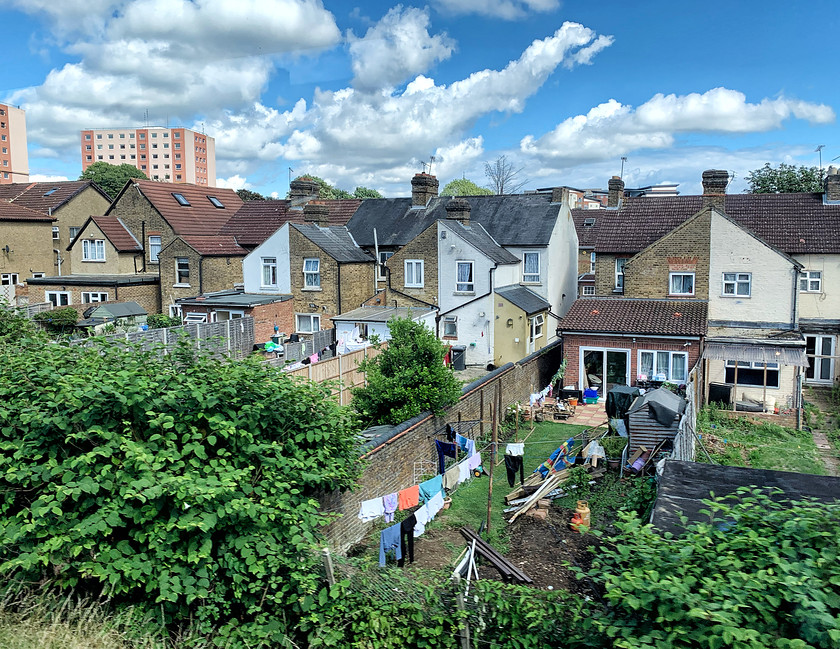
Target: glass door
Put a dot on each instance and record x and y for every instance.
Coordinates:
(820, 351)
(604, 368)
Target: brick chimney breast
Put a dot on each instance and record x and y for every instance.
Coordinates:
(424, 187)
(317, 213)
(832, 184)
(459, 210)
(714, 188)
(616, 191)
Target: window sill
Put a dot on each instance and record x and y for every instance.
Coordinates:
(680, 295)
(93, 261)
(741, 297)
(450, 337)
(414, 286)
(620, 291)
(311, 289)
(464, 293)
(180, 286)
(812, 292)
(269, 287)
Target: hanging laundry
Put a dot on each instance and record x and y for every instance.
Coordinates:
(431, 487)
(515, 448)
(470, 447)
(444, 449)
(514, 463)
(409, 498)
(450, 478)
(461, 441)
(421, 517)
(474, 462)
(550, 391)
(435, 505)
(371, 509)
(313, 358)
(464, 471)
(391, 501)
(450, 433)
(389, 541)
(407, 540)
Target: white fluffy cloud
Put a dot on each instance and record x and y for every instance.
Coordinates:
(234, 182)
(42, 178)
(613, 129)
(506, 9)
(396, 48)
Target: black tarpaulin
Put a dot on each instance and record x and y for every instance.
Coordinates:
(619, 400)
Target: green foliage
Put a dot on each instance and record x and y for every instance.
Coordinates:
(579, 480)
(407, 378)
(180, 484)
(365, 192)
(613, 445)
(13, 324)
(758, 574)
(464, 187)
(58, 320)
(785, 179)
(162, 321)
(249, 195)
(111, 178)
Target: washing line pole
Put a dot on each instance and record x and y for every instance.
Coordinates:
(495, 440)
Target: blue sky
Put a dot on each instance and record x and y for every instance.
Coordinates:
(361, 93)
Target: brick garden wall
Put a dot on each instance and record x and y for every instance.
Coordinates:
(390, 464)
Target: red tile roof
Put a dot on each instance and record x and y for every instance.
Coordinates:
(41, 197)
(215, 246)
(201, 217)
(793, 223)
(636, 316)
(342, 209)
(257, 220)
(115, 231)
(14, 212)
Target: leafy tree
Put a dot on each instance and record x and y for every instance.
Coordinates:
(58, 320)
(365, 192)
(464, 187)
(162, 321)
(503, 176)
(759, 574)
(407, 377)
(111, 178)
(785, 179)
(180, 484)
(14, 325)
(248, 195)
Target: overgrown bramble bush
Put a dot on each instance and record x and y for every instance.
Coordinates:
(178, 483)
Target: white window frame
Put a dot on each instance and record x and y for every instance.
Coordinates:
(94, 246)
(450, 326)
(591, 262)
(268, 266)
(619, 273)
(735, 281)
(384, 255)
(414, 268)
(312, 277)
(773, 371)
(74, 232)
(467, 286)
(314, 322)
(9, 279)
(56, 298)
(587, 290)
(657, 370)
(810, 281)
(672, 276)
(195, 317)
(93, 297)
(531, 278)
(182, 271)
(819, 358)
(154, 248)
(56, 233)
(536, 325)
(38, 275)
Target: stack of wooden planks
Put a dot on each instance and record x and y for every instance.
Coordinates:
(509, 572)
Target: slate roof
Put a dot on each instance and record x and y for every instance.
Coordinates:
(524, 298)
(477, 236)
(336, 241)
(215, 246)
(233, 298)
(116, 232)
(793, 223)
(512, 220)
(97, 280)
(201, 217)
(14, 212)
(117, 310)
(636, 316)
(382, 313)
(33, 195)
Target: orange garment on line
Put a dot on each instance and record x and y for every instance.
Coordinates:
(409, 498)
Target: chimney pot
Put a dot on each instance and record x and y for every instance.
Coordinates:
(832, 184)
(714, 188)
(303, 188)
(616, 191)
(424, 187)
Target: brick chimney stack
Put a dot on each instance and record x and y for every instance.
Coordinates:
(832, 184)
(424, 187)
(303, 188)
(714, 188)
(459, 210)
(616, 189)
(317, 213)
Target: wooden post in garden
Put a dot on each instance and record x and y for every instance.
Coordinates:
(328, 567)
(481, 413)
(493, 443)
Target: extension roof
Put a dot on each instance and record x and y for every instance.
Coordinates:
(116, 310)
(233, 298)
(215, 246)
(636, 316)
(46, 196)
(512, 220)
(97, 280)
(793, 223)
(382, 313)
(524, 298)
(336, 241)
(200, 217)
(115, 231)
(14, 212)
(475, 235)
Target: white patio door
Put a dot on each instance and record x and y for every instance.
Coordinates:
(820, 351)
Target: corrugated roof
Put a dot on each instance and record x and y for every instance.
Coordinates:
(201, 217)
(793, 223)
(14, 212)
(636, 316)
(756, 353)
(524, 298)
(335, 241)
(43, 196)
(382, 314)
(477, 236)
(116, 232)
(215, 246)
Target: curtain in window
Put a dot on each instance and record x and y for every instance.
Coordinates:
(646, 364)
(532, 267)
(678, 369)
(311, 270)
(464, 277)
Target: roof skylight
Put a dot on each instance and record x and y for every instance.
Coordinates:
(181, 199)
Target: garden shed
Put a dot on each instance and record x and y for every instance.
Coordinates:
(653, 417)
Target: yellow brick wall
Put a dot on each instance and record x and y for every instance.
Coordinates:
(30, 248)
(423, 246)
(115, 262)
(74, 213)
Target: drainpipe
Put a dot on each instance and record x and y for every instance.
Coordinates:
(143, 242)
(793, 320)
(340, 310)
(200, 275)
(58, 260)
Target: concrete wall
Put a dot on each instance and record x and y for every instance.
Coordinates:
(277, 246)
(825, 304)
(511, 341)
(771, 396)
(390, 465)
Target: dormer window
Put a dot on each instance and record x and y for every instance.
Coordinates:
(216, 202)
(181, 199)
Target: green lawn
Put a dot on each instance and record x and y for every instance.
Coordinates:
(741, 442)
